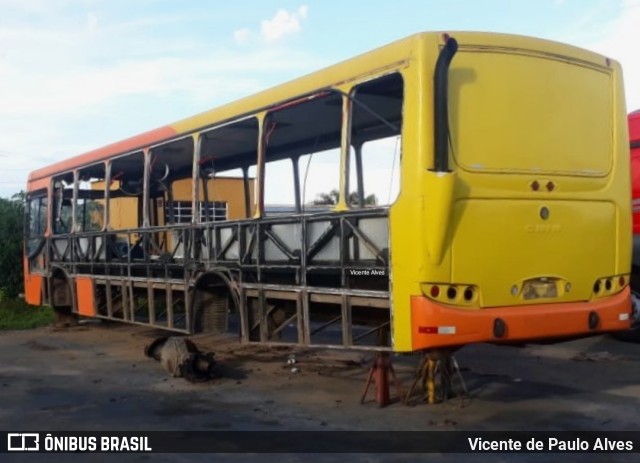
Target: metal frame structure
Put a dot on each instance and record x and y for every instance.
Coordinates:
(304, 261)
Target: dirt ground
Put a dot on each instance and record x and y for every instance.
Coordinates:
(96, 377)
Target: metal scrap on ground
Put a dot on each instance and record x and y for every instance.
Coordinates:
(182, 358)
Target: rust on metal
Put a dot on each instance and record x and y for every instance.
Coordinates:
(380, 373)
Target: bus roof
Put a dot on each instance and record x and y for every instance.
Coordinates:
(394, 55)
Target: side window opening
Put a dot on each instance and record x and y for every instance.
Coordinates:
(125, 205)
(126, 192)
(229, 198)
(171, 183)
(36, 223)
(228, 158)
(320, 180)
(302, 162)
(37, 214)
(280, 195)
(62, 204)
(90, 205)
(376, 142)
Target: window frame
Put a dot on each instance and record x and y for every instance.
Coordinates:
(76, 189)
(351, 95)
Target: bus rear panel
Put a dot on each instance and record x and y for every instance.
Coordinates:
(538, 230)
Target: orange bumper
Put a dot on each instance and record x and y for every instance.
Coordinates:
(435, 325)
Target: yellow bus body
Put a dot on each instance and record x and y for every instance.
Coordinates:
(523, 112)
(528, 235)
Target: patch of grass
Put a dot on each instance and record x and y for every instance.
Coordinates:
(16, 314)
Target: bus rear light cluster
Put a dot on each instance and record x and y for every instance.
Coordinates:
(609, 285)
(434, 291)
(458, 294)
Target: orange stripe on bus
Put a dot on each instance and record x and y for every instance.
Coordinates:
(522, 322)
(130, 144)
(40, 184)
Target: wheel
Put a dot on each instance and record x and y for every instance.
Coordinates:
(64, 318)
(212, 313)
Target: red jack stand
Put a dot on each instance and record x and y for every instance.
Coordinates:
(380, 372)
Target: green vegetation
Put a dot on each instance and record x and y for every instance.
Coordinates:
(11, 229)
(331, 198)
(15, 314)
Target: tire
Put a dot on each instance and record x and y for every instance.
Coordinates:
(212, 313)
(64, 318)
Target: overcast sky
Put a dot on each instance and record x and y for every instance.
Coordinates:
(79, 74)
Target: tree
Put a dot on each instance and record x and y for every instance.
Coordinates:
(323, 199)
(11, 242)
(331, 198)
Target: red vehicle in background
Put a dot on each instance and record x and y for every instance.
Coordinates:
(634, 139)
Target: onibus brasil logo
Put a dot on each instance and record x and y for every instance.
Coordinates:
(23, 442)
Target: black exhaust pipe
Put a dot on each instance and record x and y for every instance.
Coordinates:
(440, 105)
